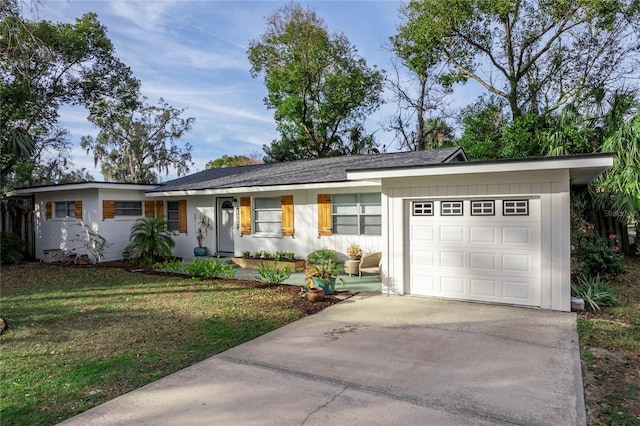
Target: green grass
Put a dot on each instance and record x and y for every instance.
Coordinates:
(81, 336)
(610, 343)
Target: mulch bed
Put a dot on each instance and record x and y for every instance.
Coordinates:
(301, 303)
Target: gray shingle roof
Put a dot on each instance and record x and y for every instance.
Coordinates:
(321, 170)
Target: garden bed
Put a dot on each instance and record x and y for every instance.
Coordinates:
(296, 265)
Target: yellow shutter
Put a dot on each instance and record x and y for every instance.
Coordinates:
(48, 210)
(149, 208)
(78, 209)
(182, 216)
(245, 215)
(287, 215)
(325, 221)
(108, 209)
(160, 209)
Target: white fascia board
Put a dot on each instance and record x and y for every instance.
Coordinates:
(82, 185)
(599, 162)
(249, 189)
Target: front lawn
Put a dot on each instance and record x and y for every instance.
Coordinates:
(610, 346)
(81, 336)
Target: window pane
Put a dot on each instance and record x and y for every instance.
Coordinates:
(371, 225)
(128, 208)
(172, 215)
(345, 225)
(345, 209)
(267, 203)
(268, 215)
(270, 227)
(65, 209)
(345, 204)
(61, 209)
(371, 209)
(370, 199)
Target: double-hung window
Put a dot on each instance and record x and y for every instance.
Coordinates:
(267, 215)
(357, 214)
(65, 208)
(128, 208)
(172, 215)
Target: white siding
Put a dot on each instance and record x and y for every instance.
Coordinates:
(306, 238)
(551, 187)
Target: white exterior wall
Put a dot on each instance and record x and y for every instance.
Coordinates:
(551, 187)
(63, 233)
(185, 243)
(306, 238)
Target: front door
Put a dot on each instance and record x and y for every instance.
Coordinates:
(225, 224)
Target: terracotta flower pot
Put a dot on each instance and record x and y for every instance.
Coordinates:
(315, 295)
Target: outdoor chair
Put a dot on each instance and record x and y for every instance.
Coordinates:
(370, 263)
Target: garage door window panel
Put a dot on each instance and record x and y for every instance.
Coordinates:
(451, 208)
(515, 207)
(422, 208)
(483, 208)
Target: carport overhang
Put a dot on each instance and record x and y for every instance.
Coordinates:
(583, 168)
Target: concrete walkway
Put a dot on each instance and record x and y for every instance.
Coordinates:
(378, 360)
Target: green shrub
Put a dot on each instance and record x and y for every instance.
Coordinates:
(172, 265)
(595, 292)
(272, 274)
(11, 249)
(209, 268)
(287, 255)
(594, 255)
(246, 254)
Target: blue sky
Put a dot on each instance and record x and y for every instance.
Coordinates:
(193, 54)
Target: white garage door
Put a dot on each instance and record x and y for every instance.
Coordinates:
(483, 250)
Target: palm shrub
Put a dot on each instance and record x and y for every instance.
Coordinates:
(148, 240)
(595, 292)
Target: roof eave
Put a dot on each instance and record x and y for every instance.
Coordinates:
(583, 167)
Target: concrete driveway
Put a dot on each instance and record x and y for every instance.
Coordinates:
(378, 360)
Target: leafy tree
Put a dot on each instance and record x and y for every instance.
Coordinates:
(537, 55)
(45, 65)
(482, 122)
(135, 145)
(234, 160)
(419, 122)
(148, 241)
(319, 88)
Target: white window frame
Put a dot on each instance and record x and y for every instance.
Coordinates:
(483, 208)
(452, 208)
(123, 211)
(173, 224)
(70, 207)
(360, 215)
(422, 208)
(515, 207)
(255, 213)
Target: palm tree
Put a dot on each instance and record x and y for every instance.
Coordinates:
(148, 240)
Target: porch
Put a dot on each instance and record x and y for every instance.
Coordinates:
(369, 283)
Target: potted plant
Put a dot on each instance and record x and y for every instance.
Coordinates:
(203, 225)
(354, 251)
(324, 269)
